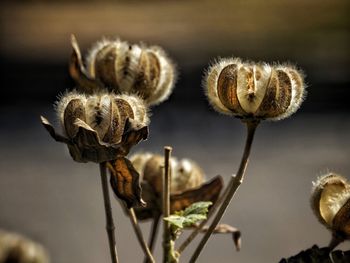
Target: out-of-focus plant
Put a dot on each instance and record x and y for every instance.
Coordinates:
(15, 248)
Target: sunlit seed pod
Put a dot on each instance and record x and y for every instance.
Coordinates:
(254, 91)
(104, 113)
(330, 201)
(132, 69)
(185, 173)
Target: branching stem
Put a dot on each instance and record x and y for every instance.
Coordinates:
(231, 189)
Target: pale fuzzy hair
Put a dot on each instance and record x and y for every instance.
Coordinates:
(210, 81)
(141, 112)
(96, 47)
(63, 100)
(335, 201)
(298, 93)
(167, 78)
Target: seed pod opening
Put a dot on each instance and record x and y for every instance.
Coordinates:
(126, 68)
(254, 91)
(104, 113)
(330, 201)
(101, 126)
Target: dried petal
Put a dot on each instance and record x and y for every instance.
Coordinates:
(125, 181)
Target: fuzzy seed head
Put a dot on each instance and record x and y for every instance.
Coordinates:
(105, 113)
(255, 91)
(132, 69)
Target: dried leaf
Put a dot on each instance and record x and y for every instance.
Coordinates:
(226, 229)
(78, 72)
(125, 181)
(86, 146)
(209, 191)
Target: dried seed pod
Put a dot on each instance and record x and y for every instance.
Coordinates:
(105, 113)
(185, 173)
(125, 68)
(187, 184)
(330, 201)
(100, 126)
(254, 91)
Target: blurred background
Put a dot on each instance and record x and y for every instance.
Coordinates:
(45, 195)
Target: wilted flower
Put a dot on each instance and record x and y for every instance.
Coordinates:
(125, 68)
(18, 249)
(330, 201)
(254, 90)
(100, 127)
(187, 183)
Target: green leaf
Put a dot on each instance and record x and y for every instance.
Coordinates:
(192, 219)
(200, 208)
(191, 215)
(175, 220)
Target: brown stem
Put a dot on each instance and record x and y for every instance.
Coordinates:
(153, 235)
(231, 189)
(139, 235)
(197, 230)
(166, 206)
(108, 209)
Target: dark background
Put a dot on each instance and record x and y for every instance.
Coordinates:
(57, 202)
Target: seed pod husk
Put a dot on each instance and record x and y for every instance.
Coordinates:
(254, 91)
(330, 201)
(100, 127)
(124, 68)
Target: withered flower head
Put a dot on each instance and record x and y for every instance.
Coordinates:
(254, 90)
(100, 127)
(330, 201)
(187, 183)
(125, 68)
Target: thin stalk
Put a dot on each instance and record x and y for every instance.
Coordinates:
(233, 185)
(153, 234)
(166, 206)
(139, 235)
(108, 210)
(198, 230)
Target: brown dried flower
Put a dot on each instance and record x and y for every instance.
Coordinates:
(187, 183)
(254, 90)
(100, 127)
(330, 201)
(124, 68)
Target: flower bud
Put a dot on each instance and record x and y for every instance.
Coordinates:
(125, 68)
(330, 201)
(254, 91)
(185, 173)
